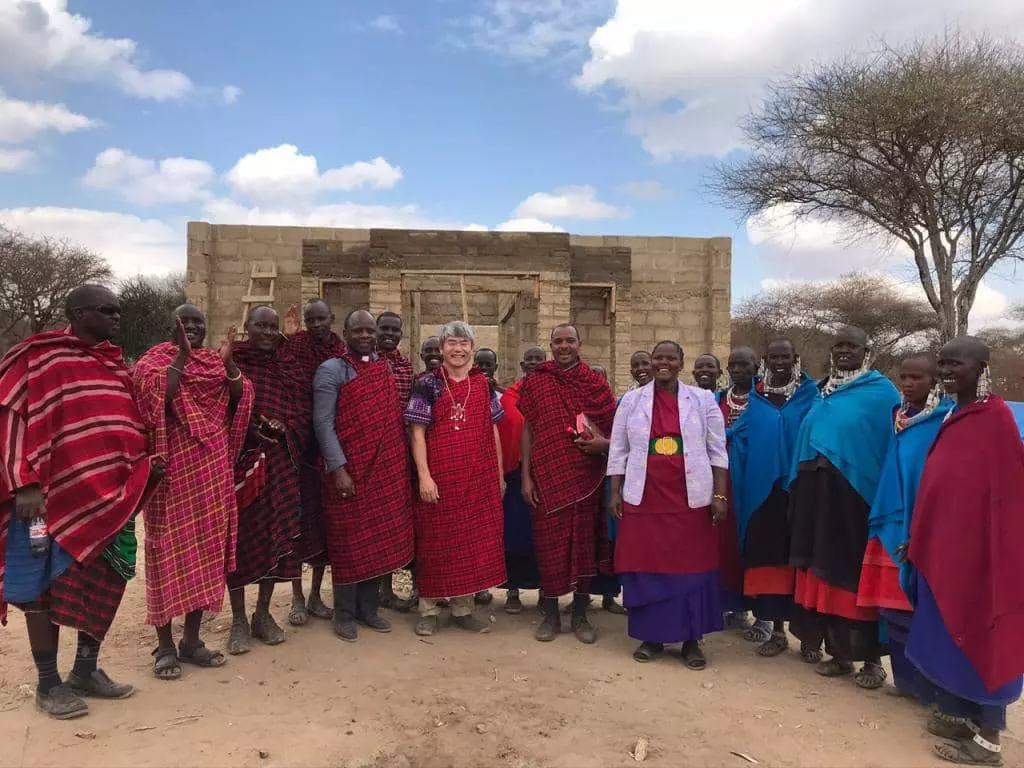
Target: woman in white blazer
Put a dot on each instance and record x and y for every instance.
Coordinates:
(667, 461)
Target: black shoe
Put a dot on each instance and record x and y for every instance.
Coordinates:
(62, 703)
(550, 627)
(99, 686)
(345, 627)
(376, 622)
(471, 623)
(512, 602)
(583, 629)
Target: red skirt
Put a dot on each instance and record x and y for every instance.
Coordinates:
(880, 580)
(817, 595)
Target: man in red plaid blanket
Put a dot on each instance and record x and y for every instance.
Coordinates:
(367, 489)
(389, 336)
(268, 529)
(459, 544)
(303, 353)
(197, 405)
(569, 408)
(74, 469)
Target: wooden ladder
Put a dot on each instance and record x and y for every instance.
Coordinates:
(262, 278)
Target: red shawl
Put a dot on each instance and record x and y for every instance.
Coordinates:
(401, 369)
(68, 422)
(510, 428)
(551, 397)
(301, 355)
(192, 519)
(371, 534)
(967, 535)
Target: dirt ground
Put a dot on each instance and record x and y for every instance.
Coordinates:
(502, 699)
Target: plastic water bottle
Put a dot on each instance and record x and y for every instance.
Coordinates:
(38, 536)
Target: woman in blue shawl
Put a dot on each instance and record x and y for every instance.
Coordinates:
(840, 450)
(916, 422)
(761, 447)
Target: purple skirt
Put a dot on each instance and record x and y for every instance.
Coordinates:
(672, 607)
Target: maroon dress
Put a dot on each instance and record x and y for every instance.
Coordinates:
(666, 554)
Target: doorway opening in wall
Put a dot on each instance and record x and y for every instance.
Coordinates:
(501, 307)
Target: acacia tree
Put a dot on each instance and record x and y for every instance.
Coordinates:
(147, 302)
(923, 145)
(36, 275)
(811, 313)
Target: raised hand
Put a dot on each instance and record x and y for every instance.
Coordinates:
(291, 321)
(184, 345)
(227, 347)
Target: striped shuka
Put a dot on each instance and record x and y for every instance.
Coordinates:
(370, 534)
(401, 369)
(192, 519)
(302, 356)
(268, 529)
(68, 422)
(569, 528)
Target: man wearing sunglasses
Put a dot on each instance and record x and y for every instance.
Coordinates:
(74, 469)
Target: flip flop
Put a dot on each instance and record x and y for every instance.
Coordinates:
(648, 652)
(239, 638)
(166, 665)
(870, 677)
(833, 668)
(298, 616)
(759, 632)
(774, 646)
(948, 727)
(200, 656)
(975, 751)
(810, 655)
(693, 657)
(319, 611)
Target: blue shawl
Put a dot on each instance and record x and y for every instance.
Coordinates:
(851, 428)
(761, 445)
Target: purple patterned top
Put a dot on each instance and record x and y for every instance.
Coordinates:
(426, 389)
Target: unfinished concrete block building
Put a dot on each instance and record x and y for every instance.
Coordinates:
(623, 293)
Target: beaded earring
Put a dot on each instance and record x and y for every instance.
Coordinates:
(985, 383)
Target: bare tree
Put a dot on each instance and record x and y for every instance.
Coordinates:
(923, 145)
(36, 275)
(810, 313)
(147, 302)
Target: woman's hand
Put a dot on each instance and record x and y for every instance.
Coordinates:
(719, 509)
(428, 490)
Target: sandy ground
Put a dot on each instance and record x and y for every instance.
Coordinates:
(397, 701)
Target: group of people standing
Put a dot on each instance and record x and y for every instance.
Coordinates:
(873, 520)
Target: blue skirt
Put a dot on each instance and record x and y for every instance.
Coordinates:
(946, 677)
(27, 577)
(672, 607)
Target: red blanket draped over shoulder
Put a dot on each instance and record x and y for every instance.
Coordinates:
(269, 528)
(371, 534)
(510, 428)
(401, 369)
(550, 399)
(192, 518)
(68, 422)
(967, 535)
(301, 355)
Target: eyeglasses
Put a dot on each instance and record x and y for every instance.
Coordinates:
(104, 309)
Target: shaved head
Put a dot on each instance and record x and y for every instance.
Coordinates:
(89, 295)
(852, 333)
(969, 347)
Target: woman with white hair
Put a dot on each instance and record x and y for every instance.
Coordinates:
(459, 517)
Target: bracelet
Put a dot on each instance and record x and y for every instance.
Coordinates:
(235, 378)
(720, 497)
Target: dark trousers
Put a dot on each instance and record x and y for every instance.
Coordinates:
(360, 600)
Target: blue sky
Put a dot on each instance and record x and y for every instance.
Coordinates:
(120, 120)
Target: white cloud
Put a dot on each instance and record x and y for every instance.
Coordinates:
(24, 120)
(129, 243)
(685, 71)
(576, 202)
(15, 159)
(647, 190)
(230, 93)
(146, 182)
(531, 30)
(282, 173)
(345, 214)
(42, 36)
(388, 24)
(811, 250)
(528, 225)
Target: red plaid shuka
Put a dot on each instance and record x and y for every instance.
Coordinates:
(569, 528)
(269, 528)
(371, 534)
(85, 598)
(401, 368)
(302, 356)
(460, 539)
(550, 398)
(192, 519)
(69, 424)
